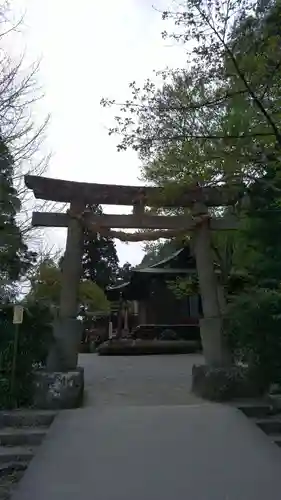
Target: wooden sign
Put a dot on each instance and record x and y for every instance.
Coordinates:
(18, 315)
(110, 330)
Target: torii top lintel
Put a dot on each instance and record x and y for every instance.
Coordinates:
(64, 191)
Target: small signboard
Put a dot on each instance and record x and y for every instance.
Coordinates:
(18, 315)
(110, 330)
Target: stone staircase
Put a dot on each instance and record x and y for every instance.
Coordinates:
(266, 416)
(21, 433)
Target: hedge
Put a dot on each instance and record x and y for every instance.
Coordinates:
(35, 335)
(253, 330)
(167, 332)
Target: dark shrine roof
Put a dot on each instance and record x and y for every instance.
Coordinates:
(179, 263)
(156, 271)
(182, 258)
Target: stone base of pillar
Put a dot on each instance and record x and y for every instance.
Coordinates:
(224, 383)
(58, 390)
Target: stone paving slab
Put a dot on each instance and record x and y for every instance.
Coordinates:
(195, 452)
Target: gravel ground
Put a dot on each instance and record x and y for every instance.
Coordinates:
(139, 380)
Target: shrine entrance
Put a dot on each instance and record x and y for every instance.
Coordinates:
(67, 329)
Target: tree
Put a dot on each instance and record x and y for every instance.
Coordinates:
(20, 141)
(256, 40)
(125, 272)
(100, 260)
(46, 288)
(15, 258)
(215, 121)
(259, 234)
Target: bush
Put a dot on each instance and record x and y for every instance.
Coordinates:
(168, 335)
(35, 334)
(253, 328)
(173, 332)
(224, 383)
(141, 347)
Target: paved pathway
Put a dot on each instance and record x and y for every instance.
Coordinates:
(142, 436)
(138, 380)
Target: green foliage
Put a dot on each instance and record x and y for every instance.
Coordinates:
(182, 287)
(216, 121)
(35, 334)
(15, 258)
(263, 228)
(46, 284)
(125, 272)
(253, 327)
(92, 297)
(46, 288)
(251, 255)
(100, 260)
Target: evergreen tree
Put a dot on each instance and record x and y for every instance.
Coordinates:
(125, 272)
(100, 261)
(157, 251)
(262, 229)
(15, 258)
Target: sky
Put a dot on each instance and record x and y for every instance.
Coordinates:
(90, 50)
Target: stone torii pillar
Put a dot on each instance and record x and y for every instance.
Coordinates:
(67, 329)
(211, 325)
(219, 379)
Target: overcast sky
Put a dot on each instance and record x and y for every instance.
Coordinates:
(91, 49)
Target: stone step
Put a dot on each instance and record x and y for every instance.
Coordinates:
(270, 425)
(7, 468)
(275, 438)
(16, 454)
(26, 418)
(18, 436)
(258, 411)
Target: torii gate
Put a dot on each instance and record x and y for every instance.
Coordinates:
(67, 329)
